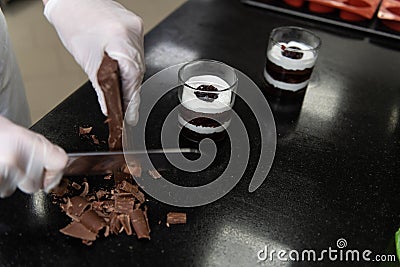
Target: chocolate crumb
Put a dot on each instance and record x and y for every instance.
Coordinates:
(87, 242)
(76, 186)
(85, 190)
(85, 130)
(100, 194)
(155, 174)
(95, 140)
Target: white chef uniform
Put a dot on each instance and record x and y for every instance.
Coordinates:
(13, 103)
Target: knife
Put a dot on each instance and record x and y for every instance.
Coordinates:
(103, 163)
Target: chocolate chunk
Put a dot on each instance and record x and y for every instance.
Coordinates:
(290, 53)
(78, 230)
(176, 218)
(140, 224)
(126, 223)
(155, 174)
(208, 97)
(92, 221)
(124, 202)
(110, 84)
(85, 130)
(133, 189)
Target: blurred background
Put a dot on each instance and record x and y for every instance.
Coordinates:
(50, 73)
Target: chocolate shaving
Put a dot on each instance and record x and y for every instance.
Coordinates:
(140, 224)
(109, 81)
(78, 230)
(108, 177)
(125, 222)
(115, 224)
(176, 218)
(76, 186)
(85, 190)
(92, 221)
(155, 174)
(75, 207)
(133, 189)
(84, 131)
(124, 203)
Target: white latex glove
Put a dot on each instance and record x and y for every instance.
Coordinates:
(88, 28)
(28, 160)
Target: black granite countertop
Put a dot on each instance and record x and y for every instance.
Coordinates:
(335, 174)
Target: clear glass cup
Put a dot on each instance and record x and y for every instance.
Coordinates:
(207, 95)
(290, 59)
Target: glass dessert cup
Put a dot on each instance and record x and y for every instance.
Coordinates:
(207, 95)
(291, 56)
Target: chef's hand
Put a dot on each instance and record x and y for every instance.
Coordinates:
(91, 27)
(27, 160)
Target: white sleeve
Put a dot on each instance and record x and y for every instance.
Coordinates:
(13, 102)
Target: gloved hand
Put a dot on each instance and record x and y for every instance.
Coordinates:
(27, 160)
(91, 27)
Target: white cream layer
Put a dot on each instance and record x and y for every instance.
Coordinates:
(285, 86)
(201, 129)
(192, 102)
(307, 61)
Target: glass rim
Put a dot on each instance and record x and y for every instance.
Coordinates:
(275, 42)
(181, 82)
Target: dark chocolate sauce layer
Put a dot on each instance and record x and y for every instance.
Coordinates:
(288, 76)
(198, 118)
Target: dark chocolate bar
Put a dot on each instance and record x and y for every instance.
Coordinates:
(109, 81)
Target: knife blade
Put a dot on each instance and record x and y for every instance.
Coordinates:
(103, 163)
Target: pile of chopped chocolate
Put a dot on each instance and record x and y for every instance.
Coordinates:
(107, 211)
(103, 212)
